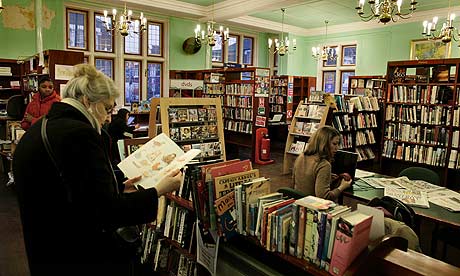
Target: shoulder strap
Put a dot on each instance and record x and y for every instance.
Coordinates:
(50, 152)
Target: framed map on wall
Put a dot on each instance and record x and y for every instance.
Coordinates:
(429, 49)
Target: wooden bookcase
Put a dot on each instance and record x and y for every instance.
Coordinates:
(307, 119)
(10, 83)
(374, 86)
(421, 122)
(204, 132)
(177, 92)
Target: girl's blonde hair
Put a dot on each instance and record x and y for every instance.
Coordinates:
(320, 142)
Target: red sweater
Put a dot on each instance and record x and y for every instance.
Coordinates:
(39, 107)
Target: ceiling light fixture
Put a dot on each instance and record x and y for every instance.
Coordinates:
(1, 6)
(282, 45)
(209, 36)
(385, 10)
(446, 33)
(326, 53)
(124, 24)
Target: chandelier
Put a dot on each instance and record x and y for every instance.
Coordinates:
(324, 53)
(446, 33)
(282, 45)
(210, 35)
(1, 6)
(124, 24)
(384, 10)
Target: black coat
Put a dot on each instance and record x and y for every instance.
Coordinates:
(64, 238)
(116, 129)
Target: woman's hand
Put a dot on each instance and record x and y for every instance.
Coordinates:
(130, 184)
(334, 177)
(170, 183)
(344, 184)
(345, 176)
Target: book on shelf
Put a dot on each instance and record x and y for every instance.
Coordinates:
(352, 237)
(409, 197)
(297, 147)
(155, 159)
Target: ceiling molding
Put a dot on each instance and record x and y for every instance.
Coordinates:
(267, 25)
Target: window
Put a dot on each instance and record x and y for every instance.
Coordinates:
(77, 29)
(233, 49)
(334, 73)
(154, 40)
(217, 50)
(133, 44)
(105, 66)
(248, 44)
(132, 81)
(153, 80)
(103, 41)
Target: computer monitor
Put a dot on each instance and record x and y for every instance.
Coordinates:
(345, 162)
(131, 120)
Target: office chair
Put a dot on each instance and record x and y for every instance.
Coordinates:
(292, 193)
(16, 107)
(420, 173)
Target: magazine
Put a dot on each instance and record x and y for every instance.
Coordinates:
(155, 159)
(411, 198)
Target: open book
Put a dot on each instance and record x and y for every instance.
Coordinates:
(155, 160)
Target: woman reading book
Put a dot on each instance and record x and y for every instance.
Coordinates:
(312, 169)
(71, 208)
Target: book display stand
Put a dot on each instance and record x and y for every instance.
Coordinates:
(307, 119)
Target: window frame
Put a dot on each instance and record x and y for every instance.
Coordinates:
(86, 29)
(242, 35)
(323, 82)
(341, 79)
(343, 53)
(226, 49)
(140, 40)
(252, 50)
(107, 58)
(94, 35)
(161, 38)
(161, 76)
(124, 80)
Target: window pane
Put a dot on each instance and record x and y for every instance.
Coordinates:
(105, 66)
(329, 81)
(233, 49)
(247, 50)
(153, 80)
(133, 44)
(76, 29)
(154, 41)
(349, 55)
(103, 37)
(345, 80)
(217, 49)
(132, 81)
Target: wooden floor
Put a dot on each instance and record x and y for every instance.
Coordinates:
(13, 261)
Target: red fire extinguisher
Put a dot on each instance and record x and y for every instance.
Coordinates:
(265, 148)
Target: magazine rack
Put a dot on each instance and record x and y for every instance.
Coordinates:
(195, 123)
(307, 115)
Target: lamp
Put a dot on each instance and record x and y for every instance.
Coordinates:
(446, 33)
(1, 6)
(326, 53)
(282, 45)
(209, 36)
(124, 24)
(385, 11)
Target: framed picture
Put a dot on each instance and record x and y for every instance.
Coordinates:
(429, 49)
(349, 55)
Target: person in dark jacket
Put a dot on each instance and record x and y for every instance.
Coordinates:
(117, 129)
(69, 218)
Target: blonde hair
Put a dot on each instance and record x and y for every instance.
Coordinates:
(320, 142)
(90, 82)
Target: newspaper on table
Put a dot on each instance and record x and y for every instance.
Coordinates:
(361, 173)
(155, 160)
(445, 198)
(382, 182)
(409, 197)
(416, 185)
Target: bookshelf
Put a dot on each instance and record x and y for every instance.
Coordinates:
(191, 89)
(195, 123)
(374, 86)
(421, 116)
(307, 119)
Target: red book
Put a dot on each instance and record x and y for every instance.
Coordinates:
(263, 228)
(351, 238)
(236, 167)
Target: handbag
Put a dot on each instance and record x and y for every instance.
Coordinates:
(127, 239)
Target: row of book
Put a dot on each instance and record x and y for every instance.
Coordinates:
(239, 126)
(172, 261)
(456, 117)
(455, 138)
(276, 99)
(279, 82)
(346, 141)
(366, 120)
(365, 153)
(211, 149)
(238, 113)
(422, 94)
(415, 153)
(311, 111)
(432, 115)
(343, 105)
(342, 122)
(5, 71)
(238, 101)
(365, 137)
(191, 114)
(214, 88)
(305, 128)
(277, 90)
(277, 108)
(178, 224)
(454, 159)
(193, 132)
(364, 103)
(434, 135)
(345, 122)
(239, 89)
